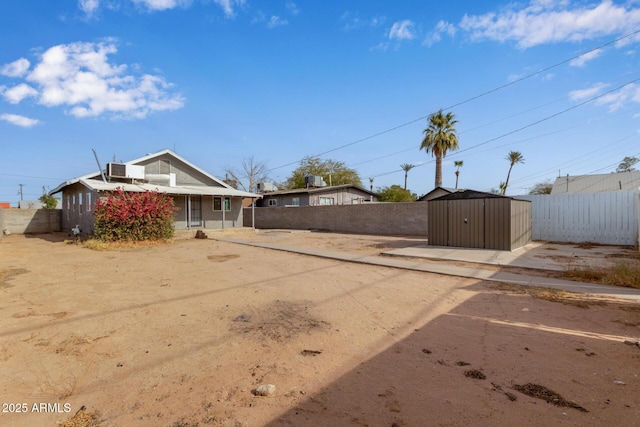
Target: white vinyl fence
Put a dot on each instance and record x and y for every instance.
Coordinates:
(608, 218)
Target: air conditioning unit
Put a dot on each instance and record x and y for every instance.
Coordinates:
(264, 187)
(314, 181)
(120, 170)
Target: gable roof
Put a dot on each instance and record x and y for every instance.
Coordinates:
(94, 182)
(621, 181)
(431, 194)
(316, 190)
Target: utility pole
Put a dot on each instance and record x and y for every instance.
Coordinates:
(20, 191)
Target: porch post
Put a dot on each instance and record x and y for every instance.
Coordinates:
(253, 213)
(224, 207)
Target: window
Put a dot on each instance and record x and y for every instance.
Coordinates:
(217, 204)
(326, 200)
(88, 202)
(295, 201)
(79, 202)
(273, 202)
(73, 203)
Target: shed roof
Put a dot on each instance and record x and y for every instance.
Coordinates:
(471, 194)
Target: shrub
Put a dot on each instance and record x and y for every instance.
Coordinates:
(126, 216)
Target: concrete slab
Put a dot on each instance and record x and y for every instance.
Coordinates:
(452, 270)
(537, 255)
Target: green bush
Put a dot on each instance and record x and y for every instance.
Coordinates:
(132, 216)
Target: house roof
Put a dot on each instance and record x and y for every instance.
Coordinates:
(316, 190)
(94, 182)
(437, 189)
(621, 181)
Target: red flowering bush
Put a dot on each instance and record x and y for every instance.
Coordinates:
(134, 216)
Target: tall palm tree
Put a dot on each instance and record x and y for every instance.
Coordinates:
(458, 164)
(371, 184)
(439, 137)
(406, 167)
(513, 157)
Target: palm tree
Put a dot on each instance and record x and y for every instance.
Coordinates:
(371, 184)
(513, 157)
(439, 137)
(406, 167)
(458, 164)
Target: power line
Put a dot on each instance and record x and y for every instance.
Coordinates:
(531, 124)
(473, 98)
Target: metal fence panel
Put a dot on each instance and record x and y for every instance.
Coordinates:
(608, 217)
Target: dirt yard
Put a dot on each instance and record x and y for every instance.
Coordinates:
(183, 334)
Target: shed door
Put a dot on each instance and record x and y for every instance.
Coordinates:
(466, 223)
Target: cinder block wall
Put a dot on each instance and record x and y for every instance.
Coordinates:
(408, 219)
(25, 221)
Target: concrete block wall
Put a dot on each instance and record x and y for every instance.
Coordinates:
(408, 219)
(25, 221)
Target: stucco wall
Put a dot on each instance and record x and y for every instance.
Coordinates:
(26, 221)
(372, 218)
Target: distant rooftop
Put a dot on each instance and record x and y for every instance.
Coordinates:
(621, 181)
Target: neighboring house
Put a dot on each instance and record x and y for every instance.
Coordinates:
(199, 196)
(621, 181)
(437, 192)
(347, 194)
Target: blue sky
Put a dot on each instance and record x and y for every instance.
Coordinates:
(223, 80)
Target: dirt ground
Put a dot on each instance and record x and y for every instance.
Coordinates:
(182, 335)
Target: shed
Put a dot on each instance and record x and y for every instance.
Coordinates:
(474, 219)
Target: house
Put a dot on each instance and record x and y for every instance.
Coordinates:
(621, 181)
(437, 192)
(199, 196)
(347, 194)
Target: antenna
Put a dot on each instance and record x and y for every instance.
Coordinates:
(104, 179)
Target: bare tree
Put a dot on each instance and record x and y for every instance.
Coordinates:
(252, 172)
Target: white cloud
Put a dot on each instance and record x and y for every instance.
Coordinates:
(616, 100)
(401, 30)
(582, 94)
(18, 93)
(88, 6)
(353, 22)
(229, 5)
(547, 21)
(16, 68)
(79, 76)
(613, 100)
(583, 59)
(162, 4)
(276, 21)
(292, 8)
(442, 27)
(17, 120)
